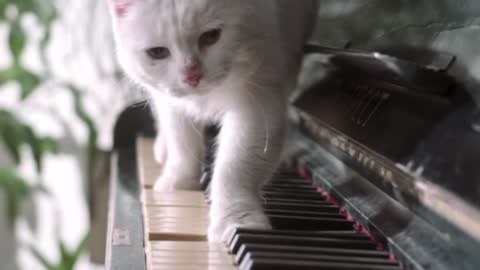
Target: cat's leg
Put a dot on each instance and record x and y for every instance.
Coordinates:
(160, 148)
(249, 150)
(159, 145)
(183, 141)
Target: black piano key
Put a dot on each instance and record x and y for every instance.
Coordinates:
(279, 264)
(291, 190)
(302, 207)
(301, 241)
(305, 214)
(309, 233)
(283, 200)
(298, 190)
(319, 258)
(251, 247)
(292, 187)
(296, 180)
(294, 195)
(290, 182)
(205, 180)
(306, 233)
(284, 174)
(352, 235)
(309, 223)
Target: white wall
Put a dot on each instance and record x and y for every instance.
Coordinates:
(81, 52)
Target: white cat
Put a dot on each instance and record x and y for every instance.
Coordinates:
(232, 62)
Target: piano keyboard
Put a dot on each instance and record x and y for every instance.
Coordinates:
(309, 231)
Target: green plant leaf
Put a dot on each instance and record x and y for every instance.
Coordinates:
(41, 259)
(11, 132)
(44, 10)
(68, 259)
(49, 145)
(14, 134)
(39, 146)
(7, 75)
(43, 48)
(28, 82)
(17, 40)
(12, 139)
(17, 191)
(79, 250)
(35, 146)
(89, 123)
(3, 6)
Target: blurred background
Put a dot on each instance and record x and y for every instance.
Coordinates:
(59, 97)
(61, 91)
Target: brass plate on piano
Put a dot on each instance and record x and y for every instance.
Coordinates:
(121, 237)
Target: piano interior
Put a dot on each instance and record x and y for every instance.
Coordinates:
(384, 175)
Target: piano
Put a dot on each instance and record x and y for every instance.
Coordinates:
(384, 173)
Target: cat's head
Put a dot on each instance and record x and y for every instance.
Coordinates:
(181, 47)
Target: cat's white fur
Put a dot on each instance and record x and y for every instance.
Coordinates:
(248, 75)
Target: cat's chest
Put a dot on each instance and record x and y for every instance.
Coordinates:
(202, 109)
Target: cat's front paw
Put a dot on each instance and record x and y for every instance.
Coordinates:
(223, 224)
(176, 182)
(160, 150)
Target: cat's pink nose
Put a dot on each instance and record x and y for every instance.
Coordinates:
(192, 75)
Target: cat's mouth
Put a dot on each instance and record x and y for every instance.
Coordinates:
(204, 87)
(200, 90)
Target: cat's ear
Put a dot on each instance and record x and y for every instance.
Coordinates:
(120, 7)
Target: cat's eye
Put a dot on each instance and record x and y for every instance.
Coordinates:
(158, 53)
(210, 37)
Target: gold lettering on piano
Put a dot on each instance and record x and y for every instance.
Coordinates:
(334, 142)
(352, 150)
(389, 176)
(360, 157)
(343, 144)
(383, 171)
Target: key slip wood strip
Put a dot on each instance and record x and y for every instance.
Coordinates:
(190, 258)
(174, 211)
(188, 246)
(192, 267)
(173, 222)
(177, 198)
(189, 255)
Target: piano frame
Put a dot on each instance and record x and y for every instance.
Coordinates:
(405, 213)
